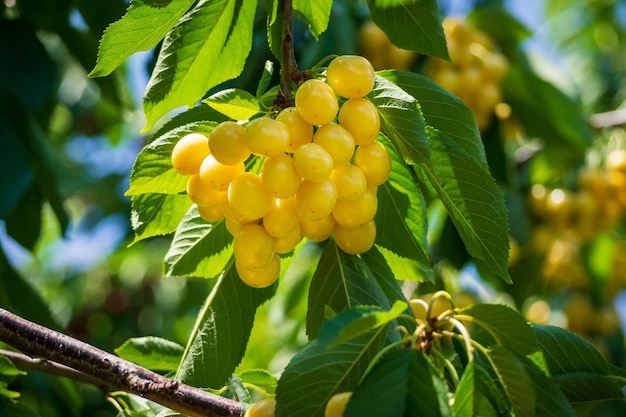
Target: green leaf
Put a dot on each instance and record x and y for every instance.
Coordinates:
(5, 392)
(199, 248)
(316, 373)
(258, 377)
(145, 23)
(401, 383)
(19, 297)
(565, 352)
(514, 379)
(411, 24)
(220, 335)
(358, 320)
(505, 325)
(317, 13)
(234, 103)
(400, 120)
(152, 171)
(340, 282)
(547, 113)
(275, 27)
(208, 46)
(586, 390)
(7, 368)
(467, 397)
(157, 214)
(402, 223)
(266, 78)
(24, 221)
(550, 400)
(152, 353)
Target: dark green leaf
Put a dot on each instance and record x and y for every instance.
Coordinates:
(220, 335)
(145, 23)
(586, 390)
(411, 24)
(340, 282)
(565, 352)
(153, 172)
(24, 222)
(10, 408)
(198, 249)
(208, 46)
(503, 27)
(401, 383)
(459, 173)
(505, 325)
(19, 297)
(275, 27)
(515, 380)
(358, 320)
(157, 214)
(8, 369)
(550, 400)
(467, 397)
(317, 13)
(234, 103)
(402, 224)
(152, 353)
(258, 377)
(400, 120)
(316, 373)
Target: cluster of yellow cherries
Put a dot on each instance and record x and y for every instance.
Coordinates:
(476, 70)
(318, 177)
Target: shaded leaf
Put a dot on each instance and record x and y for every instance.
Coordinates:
(358, 320)
(234, 103)
(402, 223)
(340, 282)
(8, 369)
(145, 23)
(316, 373)
(411, 24)
(209, 45)
(586, 390)
(400, 120)
(401, 383)
(219, 338)
(458, 172)
(157, 214)
(152, 353)
(505, 325)
(550, 400)
(24, 221)
(198, 249)
(515, 380)
(258, 377)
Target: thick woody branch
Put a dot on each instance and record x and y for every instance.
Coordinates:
(111, 371)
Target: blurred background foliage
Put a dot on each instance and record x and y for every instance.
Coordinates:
(552, 128)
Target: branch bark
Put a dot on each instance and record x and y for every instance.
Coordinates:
(111, 371)
(288, 67)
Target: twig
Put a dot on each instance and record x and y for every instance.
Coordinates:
(609, 118)
(289, 67)
(110, 370)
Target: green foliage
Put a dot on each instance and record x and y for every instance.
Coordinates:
(152, 353)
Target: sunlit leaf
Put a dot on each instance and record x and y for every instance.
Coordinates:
(317, 13)
(402, 383)
(209, 45)
(199, 248)
(219, 338)
(411, 24)
(152, 353)
(157, 214)
(316, 373)
(153, 172)
(340, 282)
(400, 120)
(234, 103)
(145, 23)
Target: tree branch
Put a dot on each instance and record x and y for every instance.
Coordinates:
(108, 369)
(288, 67)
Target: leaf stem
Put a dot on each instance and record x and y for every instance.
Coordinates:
(289, 67)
